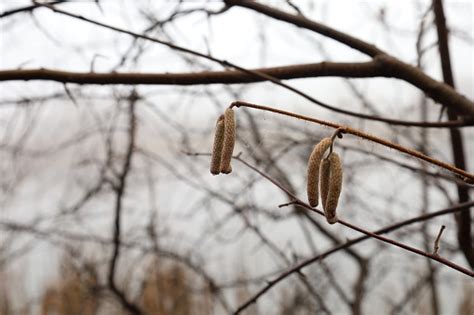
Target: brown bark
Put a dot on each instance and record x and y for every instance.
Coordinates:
(457, 143)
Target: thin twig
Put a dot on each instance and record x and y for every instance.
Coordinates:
(376, 234)
(438, 238)
(368, 235)
(25, 9)
(391, 67)
(287, 204)
(466, 176)
(338, 133)
(119, 198)
(464, 223)
(359, 229)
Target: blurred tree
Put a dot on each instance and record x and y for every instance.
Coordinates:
(123, 172)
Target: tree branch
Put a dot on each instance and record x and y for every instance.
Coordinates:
(466, 176)
(438, 91)
(25, 9)
(120, 195)
(393, 67)
(376, 235)
(457, 143)
(323, 69)
(303, 22)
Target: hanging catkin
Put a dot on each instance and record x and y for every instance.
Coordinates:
(217, 146)
(313, 170)
(335, 187)
(229, 141)
(324, 173)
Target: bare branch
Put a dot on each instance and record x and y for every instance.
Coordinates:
(457, 143)
(361, 230)
(468, 177)
(303, 22)
(437, 240)
(323, 69)
(424, 217)
(393, 67)
(120, 195)
(25, 9)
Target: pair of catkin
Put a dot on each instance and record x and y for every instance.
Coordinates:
(325, 177)
(224, 142)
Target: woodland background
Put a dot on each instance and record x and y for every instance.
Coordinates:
(106, 209)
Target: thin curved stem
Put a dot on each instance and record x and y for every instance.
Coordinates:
(466, 176)
(392, 67)
(368, 234)
(389, 66)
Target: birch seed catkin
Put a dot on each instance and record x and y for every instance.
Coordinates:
(313, 170)
(334, 189)
(217, 146)
(229, 141)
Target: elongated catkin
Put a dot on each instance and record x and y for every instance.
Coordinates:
(229, 141)
(217, 146)
(324, 177)
(335, 187)
(313, 170)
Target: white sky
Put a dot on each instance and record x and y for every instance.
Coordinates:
(234, 37)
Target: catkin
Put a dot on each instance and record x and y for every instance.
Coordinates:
(324, 176)
(229, 141)
(217, 146)
(335, 187)
(313, 170)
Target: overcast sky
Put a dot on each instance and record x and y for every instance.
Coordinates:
(53, 41)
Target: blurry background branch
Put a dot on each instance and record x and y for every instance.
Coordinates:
(391, 66)
(464, 221)
(101, 207)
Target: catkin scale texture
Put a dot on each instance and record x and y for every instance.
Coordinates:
(313, 170)
(335, 187)
(324, 177)
(217, 146)
(229, 141)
